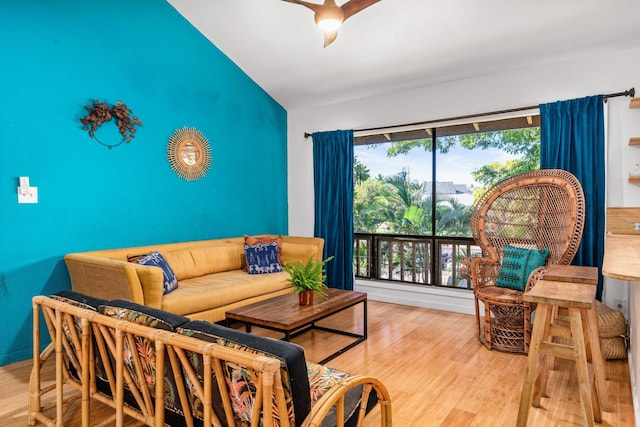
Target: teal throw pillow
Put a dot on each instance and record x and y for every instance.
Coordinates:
(156, 259)
(517, 265)
(262, 258)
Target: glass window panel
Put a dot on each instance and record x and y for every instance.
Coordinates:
(390, 194)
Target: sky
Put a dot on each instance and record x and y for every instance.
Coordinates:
(455, 166)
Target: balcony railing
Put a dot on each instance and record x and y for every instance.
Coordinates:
(422, 260)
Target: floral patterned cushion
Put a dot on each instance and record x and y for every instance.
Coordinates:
(146, 352)
(322, 379)
(242, 390)
(142, 315)
(88, 303)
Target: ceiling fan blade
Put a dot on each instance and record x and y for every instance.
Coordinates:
(330, 37)
(313, 6)
(352, 7)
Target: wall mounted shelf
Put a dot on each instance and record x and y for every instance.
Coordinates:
(635, 140)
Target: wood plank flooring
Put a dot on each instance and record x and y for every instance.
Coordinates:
(437, 373)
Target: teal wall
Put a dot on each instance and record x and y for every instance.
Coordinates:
(56, 57)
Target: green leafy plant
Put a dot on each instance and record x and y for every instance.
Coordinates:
(309, 276)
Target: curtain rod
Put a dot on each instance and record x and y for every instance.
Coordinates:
(630, 92)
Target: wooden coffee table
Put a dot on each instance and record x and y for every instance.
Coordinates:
(285, 314)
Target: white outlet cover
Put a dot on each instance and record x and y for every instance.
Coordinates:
(30, 197)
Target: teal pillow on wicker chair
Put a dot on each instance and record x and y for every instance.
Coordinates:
(517, 265)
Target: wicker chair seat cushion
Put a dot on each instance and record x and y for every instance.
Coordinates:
(500, 296)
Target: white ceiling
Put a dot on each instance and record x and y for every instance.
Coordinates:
(400, 44)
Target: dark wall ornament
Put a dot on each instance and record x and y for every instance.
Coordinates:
(101, 112)
(189, 153)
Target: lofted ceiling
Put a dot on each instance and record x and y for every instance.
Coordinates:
(397, 45)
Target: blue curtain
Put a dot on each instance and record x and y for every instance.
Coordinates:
(333, 185)
(572, 138)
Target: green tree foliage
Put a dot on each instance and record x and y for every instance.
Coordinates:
(524, 142)
(360, 172)
(371, 207)
(403, 147)
(453, 218)
(396, 204)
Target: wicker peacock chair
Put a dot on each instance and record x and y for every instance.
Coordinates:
(533, 210)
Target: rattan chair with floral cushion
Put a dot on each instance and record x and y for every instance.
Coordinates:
(522, 224)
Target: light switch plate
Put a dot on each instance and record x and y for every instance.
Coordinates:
(30, 197)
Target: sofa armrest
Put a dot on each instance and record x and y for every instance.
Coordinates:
(112, 279)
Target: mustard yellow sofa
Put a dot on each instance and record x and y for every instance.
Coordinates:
(210, 273)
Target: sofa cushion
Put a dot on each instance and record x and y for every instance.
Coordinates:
(155, 259)
(221, 289)
(293, 252)
(294, 373)
(79, 300)
(199, 261)
(142, 315)
(262, 258)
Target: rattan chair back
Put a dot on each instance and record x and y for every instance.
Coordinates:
(534, 210)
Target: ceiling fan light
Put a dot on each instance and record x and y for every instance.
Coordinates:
(329, 24)
(329, 18)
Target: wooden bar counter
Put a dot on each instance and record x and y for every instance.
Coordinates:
(622, 244)
(622, 257)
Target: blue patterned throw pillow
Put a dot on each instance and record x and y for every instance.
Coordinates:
(517, 265)
(262, 258)
(156, 259)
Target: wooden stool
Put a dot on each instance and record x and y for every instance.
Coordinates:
(587, 276)
(572, 274)
(579, 300)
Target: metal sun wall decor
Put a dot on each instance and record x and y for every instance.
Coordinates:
(101, 112)
(189, 153)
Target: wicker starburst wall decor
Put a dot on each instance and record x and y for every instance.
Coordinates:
(189, 153)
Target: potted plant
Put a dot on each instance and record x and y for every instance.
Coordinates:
(307, 278)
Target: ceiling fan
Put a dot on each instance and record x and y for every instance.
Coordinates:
(329, 16)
